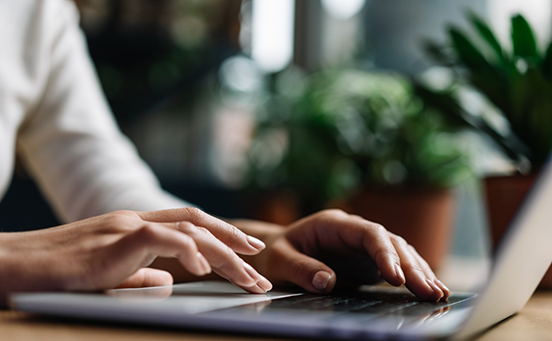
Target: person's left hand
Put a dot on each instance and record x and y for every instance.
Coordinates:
(332, 246)
(114, 250)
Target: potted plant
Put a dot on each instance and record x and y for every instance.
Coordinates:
(518, 84)
(362, 141)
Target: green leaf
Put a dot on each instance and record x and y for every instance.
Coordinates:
(467, 52)
(491, 82)
(547, 63)
(457, 116)
(533, 124)
(523, 38)
(488, 36)
(443, 102)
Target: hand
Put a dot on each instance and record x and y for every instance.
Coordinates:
(113, 250)
(320, 249)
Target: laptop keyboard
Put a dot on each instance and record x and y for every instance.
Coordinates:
(373, 304)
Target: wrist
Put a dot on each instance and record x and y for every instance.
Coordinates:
(6, 269)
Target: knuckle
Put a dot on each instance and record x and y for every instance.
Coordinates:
(228, 233)
(356, 216)
(416, 268)
(205, 231)
(147, 229)
(299, 268)
(419, 258)
(234, 234)
(382, 255)
(401, 241)
(188, 244)
(121, 219)
(194, 213)
(124, 214)
(229, 254)
(186, 227)
(333, 213)
(228, 259)
(398, 240)
(392, 235)
(146, 233)
(195, 230)
(377, 228)
(411, 248)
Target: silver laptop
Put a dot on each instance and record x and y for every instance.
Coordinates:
(521, 260)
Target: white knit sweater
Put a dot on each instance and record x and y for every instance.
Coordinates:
(53, 111)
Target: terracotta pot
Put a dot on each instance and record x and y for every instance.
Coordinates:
(423, 217)
(504, 194)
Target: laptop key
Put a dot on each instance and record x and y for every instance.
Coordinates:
(322, 303)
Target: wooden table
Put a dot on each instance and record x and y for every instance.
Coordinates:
(534, 322)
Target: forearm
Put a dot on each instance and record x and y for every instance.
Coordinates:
(5, 277)
(23, 268)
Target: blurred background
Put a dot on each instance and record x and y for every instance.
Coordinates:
(193, 82)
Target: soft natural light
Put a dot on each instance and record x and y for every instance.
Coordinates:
(537, 12)
(343, 9)
(272, 33)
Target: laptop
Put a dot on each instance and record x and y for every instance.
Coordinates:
(375, 312)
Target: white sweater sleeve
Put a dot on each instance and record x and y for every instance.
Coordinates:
(71, 143)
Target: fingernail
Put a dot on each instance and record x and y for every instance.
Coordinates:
(320, 280)
(264, 284)
(256, 289)
(435, 288)
(443, 287)
(256, 243)
(400, 273)
(204, 264)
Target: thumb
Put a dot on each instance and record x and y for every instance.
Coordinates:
(304, 271)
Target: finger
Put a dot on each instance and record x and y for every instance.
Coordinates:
(293, 266)
(154, 240)
(227, 233)
(416, 279)
(147, 277)
(379, 246)
(429, 273)
(263, 285)
(222, 259)
(370, 237)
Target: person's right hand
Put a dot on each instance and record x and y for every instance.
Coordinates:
(315, 251)
(113, 250)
